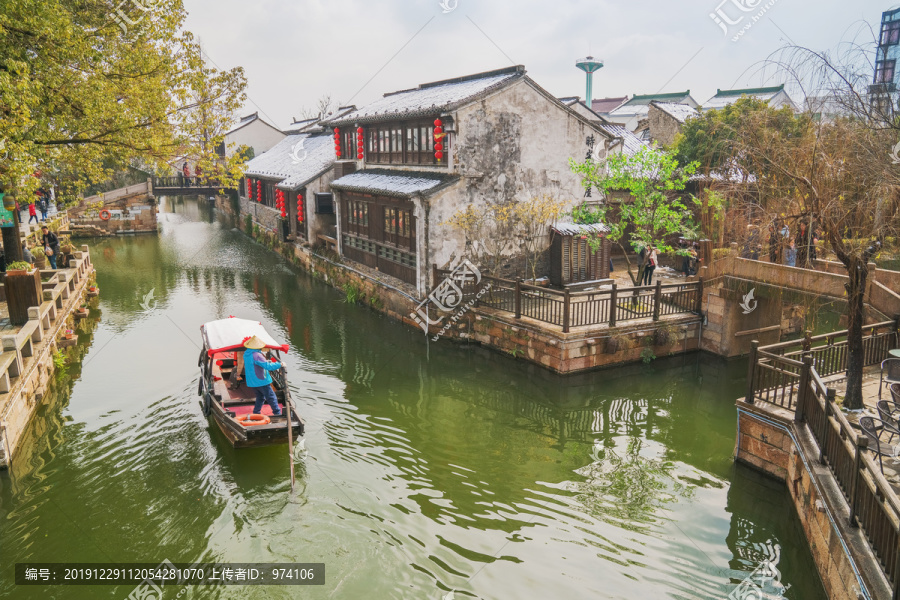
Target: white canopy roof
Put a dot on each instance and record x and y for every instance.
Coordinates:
(229, 334)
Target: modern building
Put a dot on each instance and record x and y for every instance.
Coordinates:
(883, 90)
(631, 113)
(775, 96)
(254, 132)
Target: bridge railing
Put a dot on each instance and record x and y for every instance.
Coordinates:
(789, 375)
(180, 181)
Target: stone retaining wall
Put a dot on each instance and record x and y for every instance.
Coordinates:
(769, 441)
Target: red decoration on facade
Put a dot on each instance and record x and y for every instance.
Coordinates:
(250, 188)
(259, 197)
(300, 207)
(360, 144)
(438, 134)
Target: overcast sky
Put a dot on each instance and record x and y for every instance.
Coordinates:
(293, 52)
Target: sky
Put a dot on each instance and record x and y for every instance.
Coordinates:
(294, 52)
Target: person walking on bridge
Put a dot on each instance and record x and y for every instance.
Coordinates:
(32, 213)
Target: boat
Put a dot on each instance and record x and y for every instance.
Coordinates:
(231, 409)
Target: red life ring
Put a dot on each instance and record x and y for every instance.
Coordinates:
(105, 215)
(252, 420)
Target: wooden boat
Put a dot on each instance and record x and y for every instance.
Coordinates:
(223, 340)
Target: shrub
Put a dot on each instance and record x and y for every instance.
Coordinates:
(19, 265)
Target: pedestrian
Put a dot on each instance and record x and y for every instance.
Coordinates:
(774, 245)
(32, 213)
(51, 245)
(256, 371)
(45, 207)
(26, 254)
(652, 258)
(198, 171)
(790, 255)
(186, 171)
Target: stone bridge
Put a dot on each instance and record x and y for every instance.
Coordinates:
(781, 298)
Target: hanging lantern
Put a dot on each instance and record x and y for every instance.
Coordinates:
(439, 155)
(439, 129)
(438, 123)
(259, 190)
(439, 146)
(300, 208)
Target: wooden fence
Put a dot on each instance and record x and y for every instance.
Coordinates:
(567, 309)
(788, 374)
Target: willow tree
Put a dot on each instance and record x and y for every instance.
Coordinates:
(833, 169)
(86, 87)
(649, 211)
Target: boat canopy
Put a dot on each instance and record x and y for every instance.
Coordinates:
(229, 334)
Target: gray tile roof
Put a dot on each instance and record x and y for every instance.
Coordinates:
(400, 184)
(430, 98)
(295, 160)
(632, 143)
(679, 112)
(580, 229)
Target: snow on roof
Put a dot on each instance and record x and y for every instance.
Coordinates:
(579, 228)
(679, 112)
(430, 98)
(295, 160)
(632, 143)
(640, 105)
(402, 184)
(725, 97)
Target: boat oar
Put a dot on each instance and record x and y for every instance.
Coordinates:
(290, 418)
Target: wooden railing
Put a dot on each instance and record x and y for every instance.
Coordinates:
(788, 375)
(568, 309)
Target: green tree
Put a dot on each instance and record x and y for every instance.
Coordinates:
(87, 86)
(650, 213)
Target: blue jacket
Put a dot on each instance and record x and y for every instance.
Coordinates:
(256, 368)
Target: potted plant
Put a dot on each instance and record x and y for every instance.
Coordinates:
(70, 334)
(81, 312)
(40, 257)
(19, 267)
(93, 290)
(23, 290)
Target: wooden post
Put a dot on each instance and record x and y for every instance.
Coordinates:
(699, 308)
(862, 442)
(518, 298)
(751, 370)
(613, 299)
(567, 304)
(896, 594)
(807, 342)
(434, 275)
(657, 296)
(830, 394)
(805, 376)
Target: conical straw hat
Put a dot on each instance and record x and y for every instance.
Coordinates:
(254, 343)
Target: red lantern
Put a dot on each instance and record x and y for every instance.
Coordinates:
(439, 146)
(438, 122)
(439, 155)
(336, 131)
(360, 156)
(300, 208)
(439, 129)
(359, 130)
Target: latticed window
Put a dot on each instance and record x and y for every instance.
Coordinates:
(890, 33)
(410, 143)
(884, 71)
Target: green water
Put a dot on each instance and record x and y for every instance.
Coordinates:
(427, 468)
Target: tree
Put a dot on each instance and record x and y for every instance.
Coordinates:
(650, 213)
(534, 218)
(86, 88)
(324, 107)
(836, 176)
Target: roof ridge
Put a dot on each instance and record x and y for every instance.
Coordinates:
(758, 90)
(667, 95)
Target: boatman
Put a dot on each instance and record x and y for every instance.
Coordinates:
(256, 373)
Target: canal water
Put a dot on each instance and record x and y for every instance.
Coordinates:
(428, 471)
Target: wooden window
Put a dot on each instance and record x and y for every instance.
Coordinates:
(410, 143)
(324, 204)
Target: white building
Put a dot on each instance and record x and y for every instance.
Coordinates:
(775, 96)
(251, 131)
